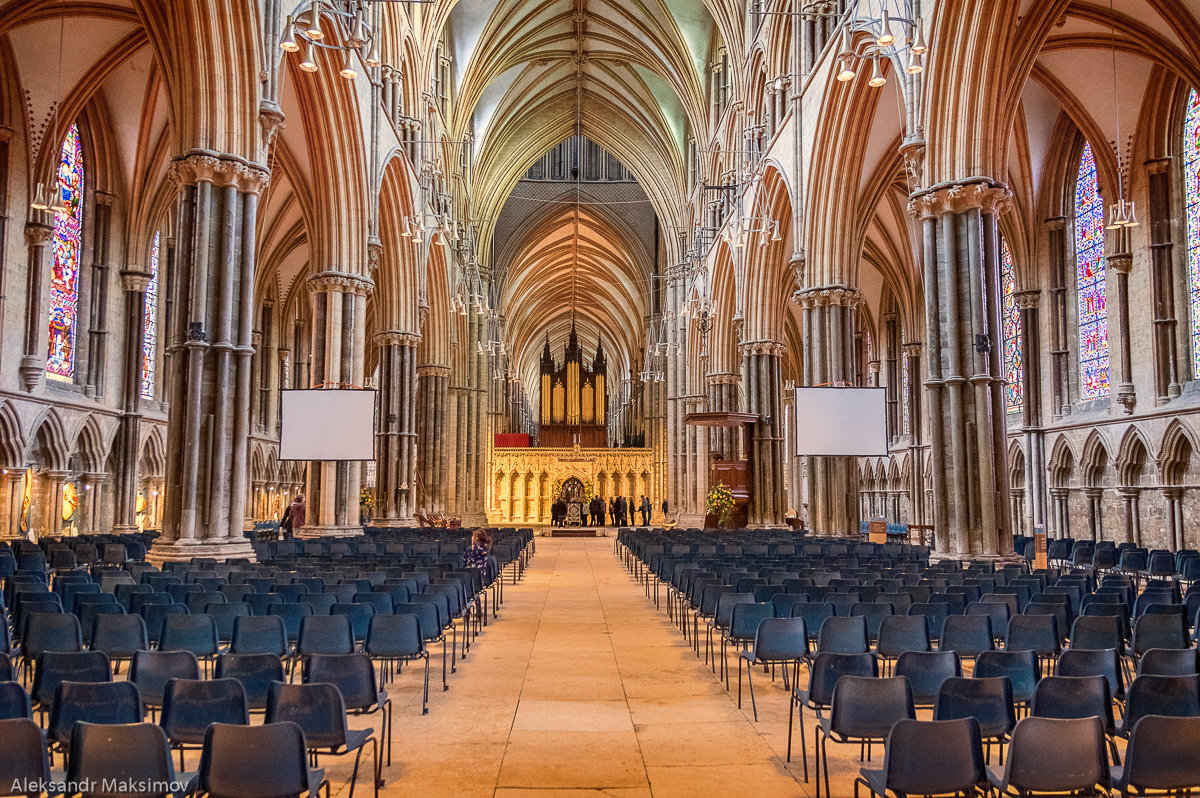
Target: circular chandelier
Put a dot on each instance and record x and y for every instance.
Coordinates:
(891, 36)
(302, 34)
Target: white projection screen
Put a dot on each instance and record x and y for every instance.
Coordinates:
(327, 424)
(849, 422)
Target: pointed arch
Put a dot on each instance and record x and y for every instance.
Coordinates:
(89, 446)
(1133, 457)
(1095, 460)
(48, 447)
(1176, 455)
(1062, 463)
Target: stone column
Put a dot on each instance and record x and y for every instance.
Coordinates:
(916, 433)
(207, 384)
(1095, 500)
(97, 293)
(1173, 494)
(11, 499)
(90, 490)
(134, 282)
(1060, 333)
(433, 462)
(1061, 514)
(1163, 220)
(965, 377)
(49, 520)
(764, 384)
(1133, 525)
(1035, 438)
(33, 361)
(457, 489)
(339, 313)
(396, 487)
(1120, 262)
(829, 323)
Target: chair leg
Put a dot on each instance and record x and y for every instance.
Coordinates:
(425, 695)
(749, 678)
(445, 686)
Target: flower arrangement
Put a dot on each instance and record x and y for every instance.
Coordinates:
(721, 503)
(366, 501)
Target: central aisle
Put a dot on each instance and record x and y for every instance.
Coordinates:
(583, 685)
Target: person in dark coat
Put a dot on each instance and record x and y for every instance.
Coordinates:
(620, 511)
(664, 509)
(646, 510)
(596, 510)
(612, 510)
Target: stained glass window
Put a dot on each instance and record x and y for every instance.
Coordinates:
(1090, 280)
(150, 322)
(68, 246)
(1191, 203)
(1010, 325)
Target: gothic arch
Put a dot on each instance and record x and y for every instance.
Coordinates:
(48, 447)
(90, 446)
(1133, 457)
(1177, 454)
(1062, 463)
(12, 443)
(1094, 463)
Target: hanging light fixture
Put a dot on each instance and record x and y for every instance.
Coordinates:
(845, 72)
(314, 31)
(348, 70)
(308, 61)
(40, 202)
(916, 63)
(288, 42)
(1122, 212)
(886, 37)
(57, 203)
(877, 78)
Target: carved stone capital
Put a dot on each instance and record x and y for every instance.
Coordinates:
(724, 378)
(825, 295)
(37, 234)
(270, 121)
(397, 338)
(1027, 300)
(761, 347)
(341, 282)
(1121, 262)
(912, 349)
(1126, 397)
(433, 370)
(981, 193)
(136, 280)
(202, 166)
(1056, 223)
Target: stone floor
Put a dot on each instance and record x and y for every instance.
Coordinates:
(583, 687)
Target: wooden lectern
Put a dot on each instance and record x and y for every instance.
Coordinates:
(735, 473)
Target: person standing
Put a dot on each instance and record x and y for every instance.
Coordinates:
(620, 511)
(646, 510)
(297, 515)
(612, 510)
(664, 509)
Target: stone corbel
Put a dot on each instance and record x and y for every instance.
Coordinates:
(987, 195)
(397, 338)
(343, 282)
(199, 166)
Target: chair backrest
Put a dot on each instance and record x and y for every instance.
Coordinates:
(934, 757)
(119, 636)
(1097, 632)
(745, 619)
(317, 707)
(14, 702)
(1033, 632)
(25, 759)
(780, 640)
(394, 636)
(969, 635)
(50, 632)
(133, 758)
(1021, 668)
(292, 616)
(232, 764)
(191, 705)
(1104, 662)
(151, 670)
(1159, 631)
(900, 633)
(55, 667)
(254, 671)
(725, 604)
(828, 668)
(259, 634)
(1169, 662)
(1057, 755)
(353, 675)
(1162, 753)
(814, 614)
(867, 707)
(1073, 697)
(325, 634)
(843, 635)
(1176, 696)
(92, 702)
(194, 633)
(926, 670)
(987, 699)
